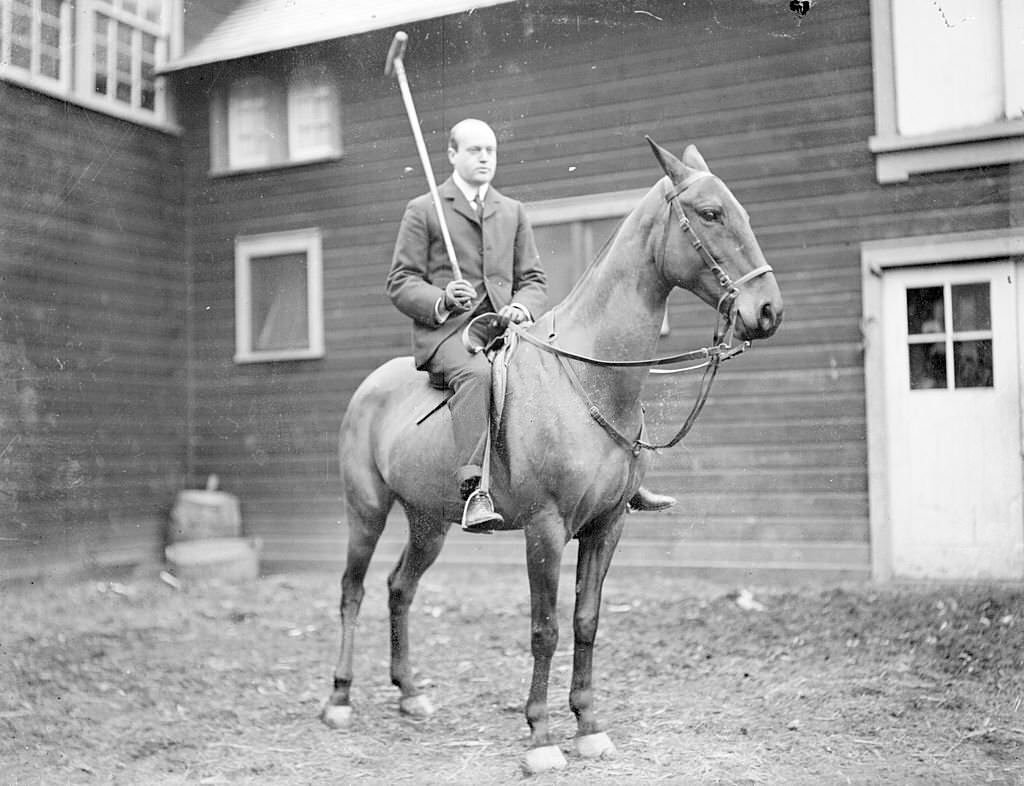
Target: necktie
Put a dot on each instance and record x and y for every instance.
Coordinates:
(478, 205)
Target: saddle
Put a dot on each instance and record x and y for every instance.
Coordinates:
(486, 334)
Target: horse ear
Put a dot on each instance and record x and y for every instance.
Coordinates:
(693, 158)
(671, 165)
(677, 170)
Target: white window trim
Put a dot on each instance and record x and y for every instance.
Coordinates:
(76, 64)
(896, 156)
(307, 241)
(611, 204)
(877, 257)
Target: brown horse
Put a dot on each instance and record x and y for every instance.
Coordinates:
(567, 451)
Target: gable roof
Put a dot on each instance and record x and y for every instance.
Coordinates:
(259, 26)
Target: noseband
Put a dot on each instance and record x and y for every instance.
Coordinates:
(730, 288)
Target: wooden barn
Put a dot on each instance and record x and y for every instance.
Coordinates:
(200, 200)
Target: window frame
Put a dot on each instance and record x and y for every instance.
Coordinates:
(247, 247)
(77, 77)
(897, 156)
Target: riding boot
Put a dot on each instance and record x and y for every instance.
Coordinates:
(647, 500)
(478, 515)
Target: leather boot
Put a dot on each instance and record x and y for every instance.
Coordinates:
(647, 500)
(479, 515)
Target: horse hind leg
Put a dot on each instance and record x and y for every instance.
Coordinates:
(368, 503)
(426, 538)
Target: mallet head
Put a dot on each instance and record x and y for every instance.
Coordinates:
(396, 52)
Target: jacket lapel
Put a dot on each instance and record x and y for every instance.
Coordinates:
(450, 193)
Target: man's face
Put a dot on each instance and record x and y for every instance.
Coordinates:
(476, 158)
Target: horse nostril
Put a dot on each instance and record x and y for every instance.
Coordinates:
(767, 316)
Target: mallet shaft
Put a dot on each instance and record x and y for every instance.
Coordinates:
(395, 63)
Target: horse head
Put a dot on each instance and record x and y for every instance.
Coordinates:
(716, 256)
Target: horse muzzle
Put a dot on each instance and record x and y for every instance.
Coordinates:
(757, 315)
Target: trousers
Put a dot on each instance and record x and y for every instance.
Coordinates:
(469, 378)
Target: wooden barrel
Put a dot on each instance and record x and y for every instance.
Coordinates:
(205, 513)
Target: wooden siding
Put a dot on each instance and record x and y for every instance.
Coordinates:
(774, 476)
(92, 352)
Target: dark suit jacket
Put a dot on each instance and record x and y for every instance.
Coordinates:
(500, 260)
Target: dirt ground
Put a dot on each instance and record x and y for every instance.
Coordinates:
(132, 681)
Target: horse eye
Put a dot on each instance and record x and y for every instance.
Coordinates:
(710, 214)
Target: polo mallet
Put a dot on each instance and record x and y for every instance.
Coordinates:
(394, 63)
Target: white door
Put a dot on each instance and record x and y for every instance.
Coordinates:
(953, 404)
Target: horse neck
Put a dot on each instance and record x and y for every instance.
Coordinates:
(616, 310)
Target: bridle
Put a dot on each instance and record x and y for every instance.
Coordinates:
(730, 288)
(708, 358)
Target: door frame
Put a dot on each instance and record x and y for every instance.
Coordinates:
(876, 258)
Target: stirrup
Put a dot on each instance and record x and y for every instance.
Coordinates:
(486, 519)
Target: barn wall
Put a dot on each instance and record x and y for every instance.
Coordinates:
(92, 288)
(774, 476)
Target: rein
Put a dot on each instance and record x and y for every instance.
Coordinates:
(708, 358)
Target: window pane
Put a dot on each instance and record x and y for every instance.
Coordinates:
(563, 268)
(147, 98)
(101, 79)
(972, 363)
(124, 63)
(971, 308)
(927, 366)
(21, 34)
(49, 39)
(280, 311)
(925, 311)
(248, 123)
(152, 10)
(313, 117)
(601, 230)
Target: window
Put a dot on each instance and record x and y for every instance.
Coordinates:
(252, 134)
(571, 232)
(966, 309)
(949, 84)
(103, 54)
(272, 120)
(35, 41)
(279, 297)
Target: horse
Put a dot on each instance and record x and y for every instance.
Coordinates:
(568, 449)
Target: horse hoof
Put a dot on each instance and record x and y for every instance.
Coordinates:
(544, 759)
(417, 707)
(595, 746)
(336, 716)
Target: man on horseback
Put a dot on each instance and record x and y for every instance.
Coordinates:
(498, 257)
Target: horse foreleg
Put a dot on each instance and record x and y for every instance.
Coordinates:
(544, 545)
(595, 555)
(426, 538)
(365, 528)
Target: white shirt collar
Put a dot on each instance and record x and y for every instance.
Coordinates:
(468, 190)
